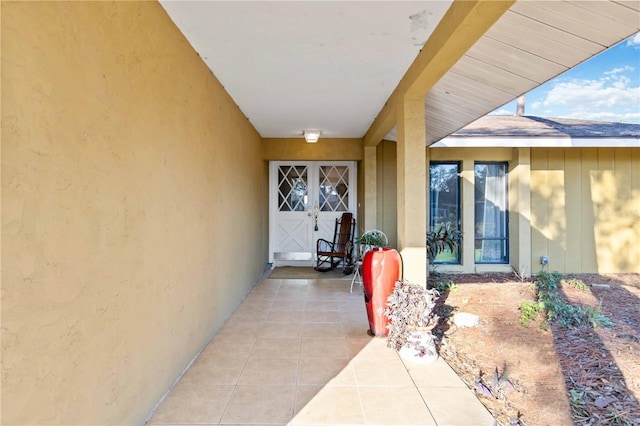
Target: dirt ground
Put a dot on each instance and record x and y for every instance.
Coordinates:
(559, 376)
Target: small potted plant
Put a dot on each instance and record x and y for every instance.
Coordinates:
(411, 312)
(372, 239)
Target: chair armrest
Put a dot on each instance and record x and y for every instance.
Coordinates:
(324, 245)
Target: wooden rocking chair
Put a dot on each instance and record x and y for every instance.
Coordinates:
(331, 253)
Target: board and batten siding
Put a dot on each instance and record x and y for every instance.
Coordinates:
(585, 209)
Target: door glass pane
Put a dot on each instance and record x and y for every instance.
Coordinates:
(292, 188)
(333, 195)
(444, 203)
(491, 215)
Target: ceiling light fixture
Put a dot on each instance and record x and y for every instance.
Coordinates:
(311, 136)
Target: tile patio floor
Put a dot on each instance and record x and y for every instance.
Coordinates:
(296, 352)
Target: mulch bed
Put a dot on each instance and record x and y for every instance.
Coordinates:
(581, 375)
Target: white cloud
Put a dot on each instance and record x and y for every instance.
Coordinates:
(634, 41)
(628, 117)
(536, 105)
(619, 70)
(610, 97)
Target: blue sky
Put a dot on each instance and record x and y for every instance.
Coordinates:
(604, 88)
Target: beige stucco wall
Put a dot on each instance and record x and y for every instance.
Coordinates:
(133, 210)
(337, 149)
(585, 208)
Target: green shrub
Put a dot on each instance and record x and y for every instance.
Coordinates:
(444, 287)
(557, 308)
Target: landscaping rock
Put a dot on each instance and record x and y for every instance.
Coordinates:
(463, 319)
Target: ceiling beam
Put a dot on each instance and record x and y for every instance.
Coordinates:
(463, 24)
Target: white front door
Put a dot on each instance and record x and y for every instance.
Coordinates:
(305, 199)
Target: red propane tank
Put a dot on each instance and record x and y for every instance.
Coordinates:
(381, 268)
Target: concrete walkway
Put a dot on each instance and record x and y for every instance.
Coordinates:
(296, 352)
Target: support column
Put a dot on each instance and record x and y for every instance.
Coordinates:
(412, 189)
(370, 218)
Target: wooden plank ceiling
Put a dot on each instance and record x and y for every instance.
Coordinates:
(533, 42)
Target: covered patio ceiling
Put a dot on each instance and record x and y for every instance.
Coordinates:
(342, 67)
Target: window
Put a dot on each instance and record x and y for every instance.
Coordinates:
(334, 188)
(444, 203)
(491, 213)
(292, 188)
